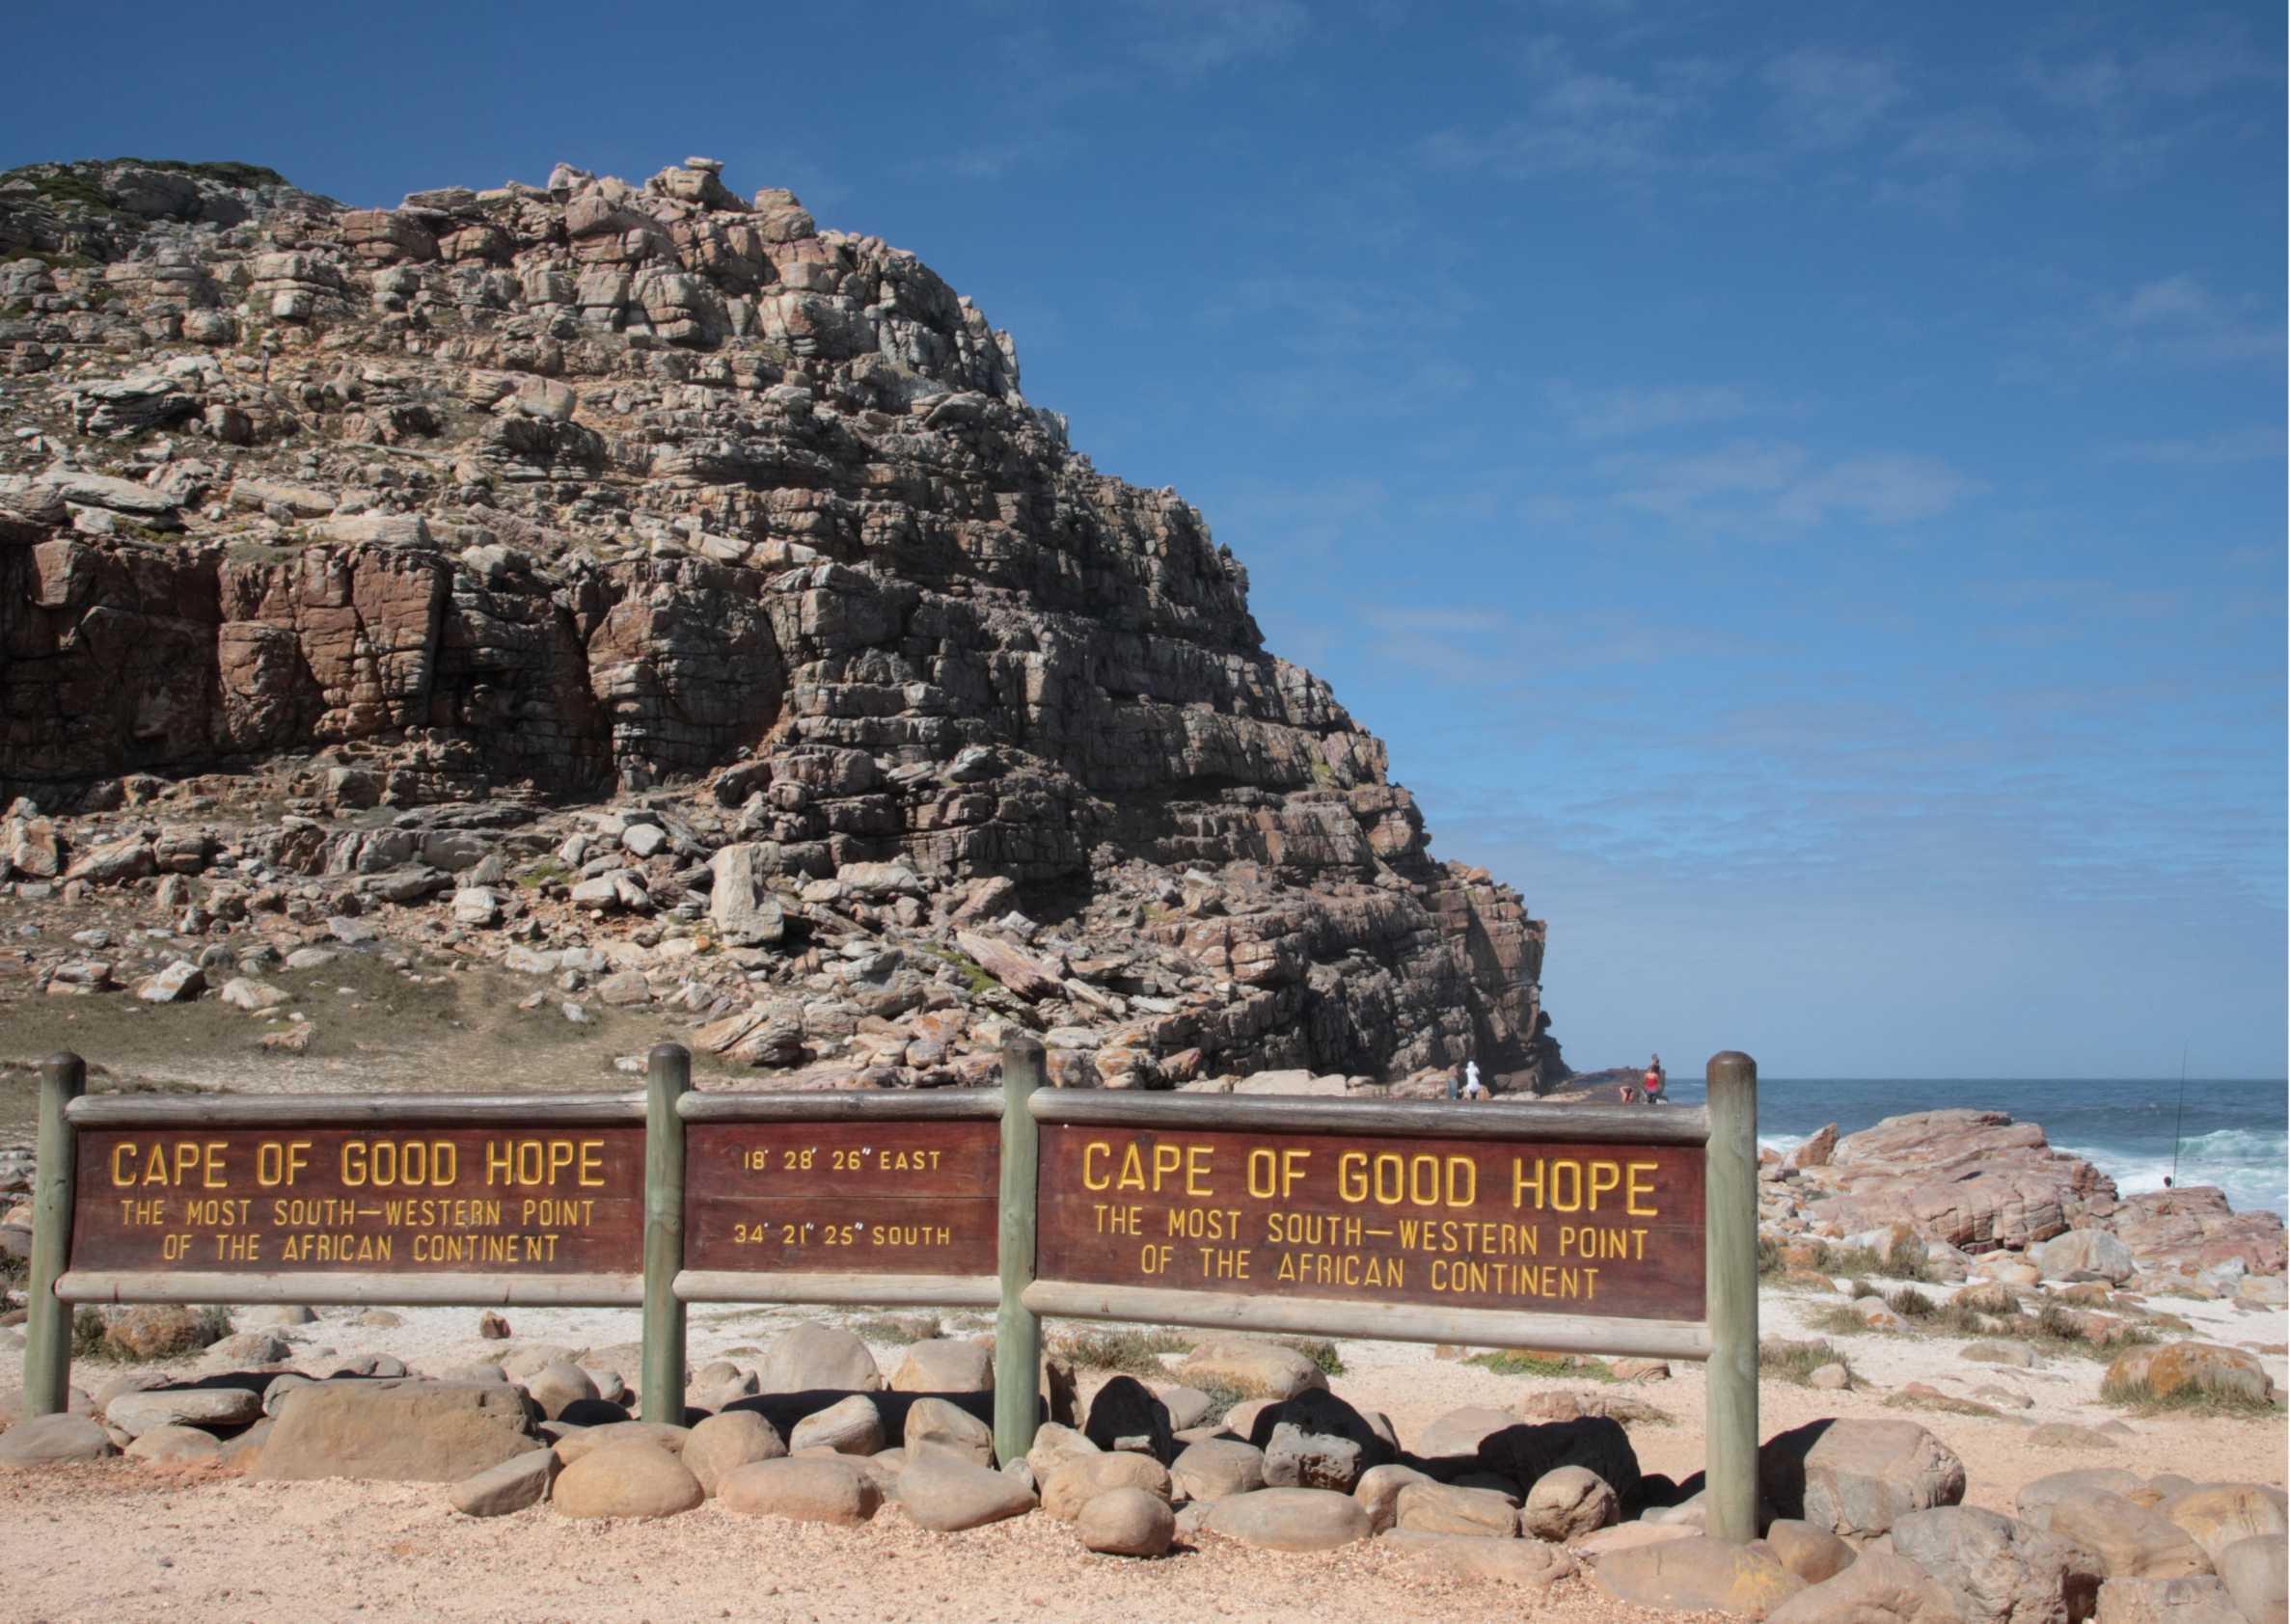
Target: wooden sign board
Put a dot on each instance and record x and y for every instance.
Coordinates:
(403, 1199)
(1560, 1228)
(883, 1197)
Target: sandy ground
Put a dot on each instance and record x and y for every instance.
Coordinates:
(118, 1541)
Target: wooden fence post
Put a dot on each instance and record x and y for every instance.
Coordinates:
(1731, 1217)
(47, 1324)
(669, 1076)
(1017, 1332)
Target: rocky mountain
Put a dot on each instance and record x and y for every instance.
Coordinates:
(337, 544)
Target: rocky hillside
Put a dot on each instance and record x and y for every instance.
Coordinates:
(687, 575)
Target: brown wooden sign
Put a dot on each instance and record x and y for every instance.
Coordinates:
(1577, 1229)
(889, 1197)
(404, 1198)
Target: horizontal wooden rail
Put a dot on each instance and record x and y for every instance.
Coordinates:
(890, 1290)
(351, 1110)
(394, 1290)
(950, 1106)
(1391, 1322)
(1405, 1119)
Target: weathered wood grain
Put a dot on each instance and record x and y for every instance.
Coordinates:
(1397, 1119)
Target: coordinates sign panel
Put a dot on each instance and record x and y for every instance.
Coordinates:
(405, 1200)
(903, 1197)
(1574, 1229)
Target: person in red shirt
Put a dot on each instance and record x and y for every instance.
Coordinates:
(1655, 1077)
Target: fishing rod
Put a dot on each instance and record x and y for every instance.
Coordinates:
(2181, 1122)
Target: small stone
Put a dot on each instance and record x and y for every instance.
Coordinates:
(833, 1490)
(1566, 1504)
(378, 1319)
(853, 1427)
(1832, 1377)
(162, 1331)
(179, 981)
(634, 1478)
(559, 1384)
(1054, 1445)
(1125, 1416)
(1998, 1353)
(243, 993)
(724, 1442)
(2067, 1435)
(1853, 1478)
(1640, 1369)
(512, 1486)
(2216, 1515)
(2130, 1541)
(174, 1445)
(1187, 1406)
(248, 1347)
(1289, 1519)
(493, 1327)
(282, 1314)
(947, 1496)
(1126, 1523)
(1527, 1563)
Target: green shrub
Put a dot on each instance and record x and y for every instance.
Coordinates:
(1796, 1362)
(1519, 1361)
(1133, 1353)
(1321, 1353)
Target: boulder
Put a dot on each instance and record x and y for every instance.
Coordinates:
(2216, 1515)
(1526, 1564)
(1879, 1588)
(1379, 1490)
(572, 1445)
(1814, 1555)
(724, 1442)
(50, 1440)
(514, 1484)
(1075, 1483)
(241, 1453)
(2035, 1501)
(851, 1427)
(1317, 1441)
(947, 1496)
(2193, 1600)
(741, 902)
(2130, 1541)
(428, 1432)
(1126, 1416)
(816, 1489)
(633, 1478)
(1258, 1369)
(1187, 1406)
(1289, 1519)
(1054, 1445)
(1527, 1453)
(162, 1331)
(1568, 1502)
(813, 1358)
(1449, 1509)
(2157, 1371)
(1698, 1573)
(1126, 1523)
(2083, 1253)
(560, 1383)
(935, 1427)
(944, 1365)
(2254, 1572)
(1214, 1467)
(1855, 1477)
(138, 1413)
(1454, 1441)
(174, 1445)
(1996, 1569)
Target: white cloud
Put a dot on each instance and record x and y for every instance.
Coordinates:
(1765, 487)
(1826, 97)
(1628, 410)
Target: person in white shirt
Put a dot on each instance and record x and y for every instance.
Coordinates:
(1473, 1088)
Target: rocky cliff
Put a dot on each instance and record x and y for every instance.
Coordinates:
(468, 514)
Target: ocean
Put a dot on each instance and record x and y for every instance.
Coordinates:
(2235, 1135)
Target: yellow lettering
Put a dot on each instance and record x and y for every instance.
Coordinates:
(1604, 1177)
(1573, 1202)
(1291, 1173)
(1096, 1147)
(1520, 1183)
(1462, 1173)
(591, 1163)
(1352, 1175)
(1133, 1170)
(353, 1162)
(1196, 1168)
(1270, 1164)
(122, 1151)
(1635, 1189)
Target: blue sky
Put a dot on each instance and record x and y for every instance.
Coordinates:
(1800, 487)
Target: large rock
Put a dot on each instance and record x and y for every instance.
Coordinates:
(1379, 1490)
(1256, 1369)
(1315, 1439)
(558, 1384)
(947, 1496)
(1447, 1508)
(2194, 1600)
(512, 1486)
(175, 1445)
(1814, 1555)
(935, 1427)
(1974, 1179)
(1214, 1467)
(723, 1443)
(571, 1446)
(1528, 1565)
(2254, 1572)
(1126, 1416)
(816, 1489)
(52, 1440)
(1879, 1588)
(1054, 1445)
(162, 1331)
(2216, 1515)
(944, 1365)
(1996, 1569)
(1696, 1573)
(2130, 1541)
(2035, 1500)
(630, 1480)
(1857, 1477)
(1075, 1483)
(1289, 1519)
(741, 902)
(2086, 1252)
(850, 1426)
(138, 1413)
(1568, 1502)
(1452, 1442)
(427, 1433)
(1126, 1523)
(2153, 1370)
(814, 1358)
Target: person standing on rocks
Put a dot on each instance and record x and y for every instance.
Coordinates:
(1473, 1088)
(1656, 1078)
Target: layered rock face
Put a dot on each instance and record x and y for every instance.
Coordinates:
(538, 495)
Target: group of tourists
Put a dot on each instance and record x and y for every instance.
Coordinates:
(1652, 1090)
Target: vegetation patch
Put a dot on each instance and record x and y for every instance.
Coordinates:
(1522, 1362)
(1132, 1352)
(2190, 1398)
(1785, 1361)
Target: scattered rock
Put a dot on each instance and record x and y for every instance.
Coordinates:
(1125, 1416)
(1214, 1467)
(1073, 1482)
(947, 1496)
(1568, 1502)
(162, 1331)
(2130, 1541)
(493, 1327)
(1379, 1490)
(813, 1490)
(814, 1358)
(1996, 1569)
(1814, 1555)
(634, 1478)
(2167, 1601)
(2216, 1515)
(1879, 1588)
(1998, 1353)
(1456, 1437)
(852, 1427)
(1527, 1563)
(1641, 1369)
(723, 1443)
(1126, 1523)
(1447, 1508)
(1698, 1573)
(935, 1427)
(2083, 1253)
(1053, 1445)
(138, 1413)
(1289, 1519)
(2159, 1370)
(174, 1445)
(1258, 1369)
(431, 1432)
(944, 1365)
(516, 1483)
(558, 1384)
(2067, 1435)
(50, 1440)
(1855, 1477)
(2256, 1573)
